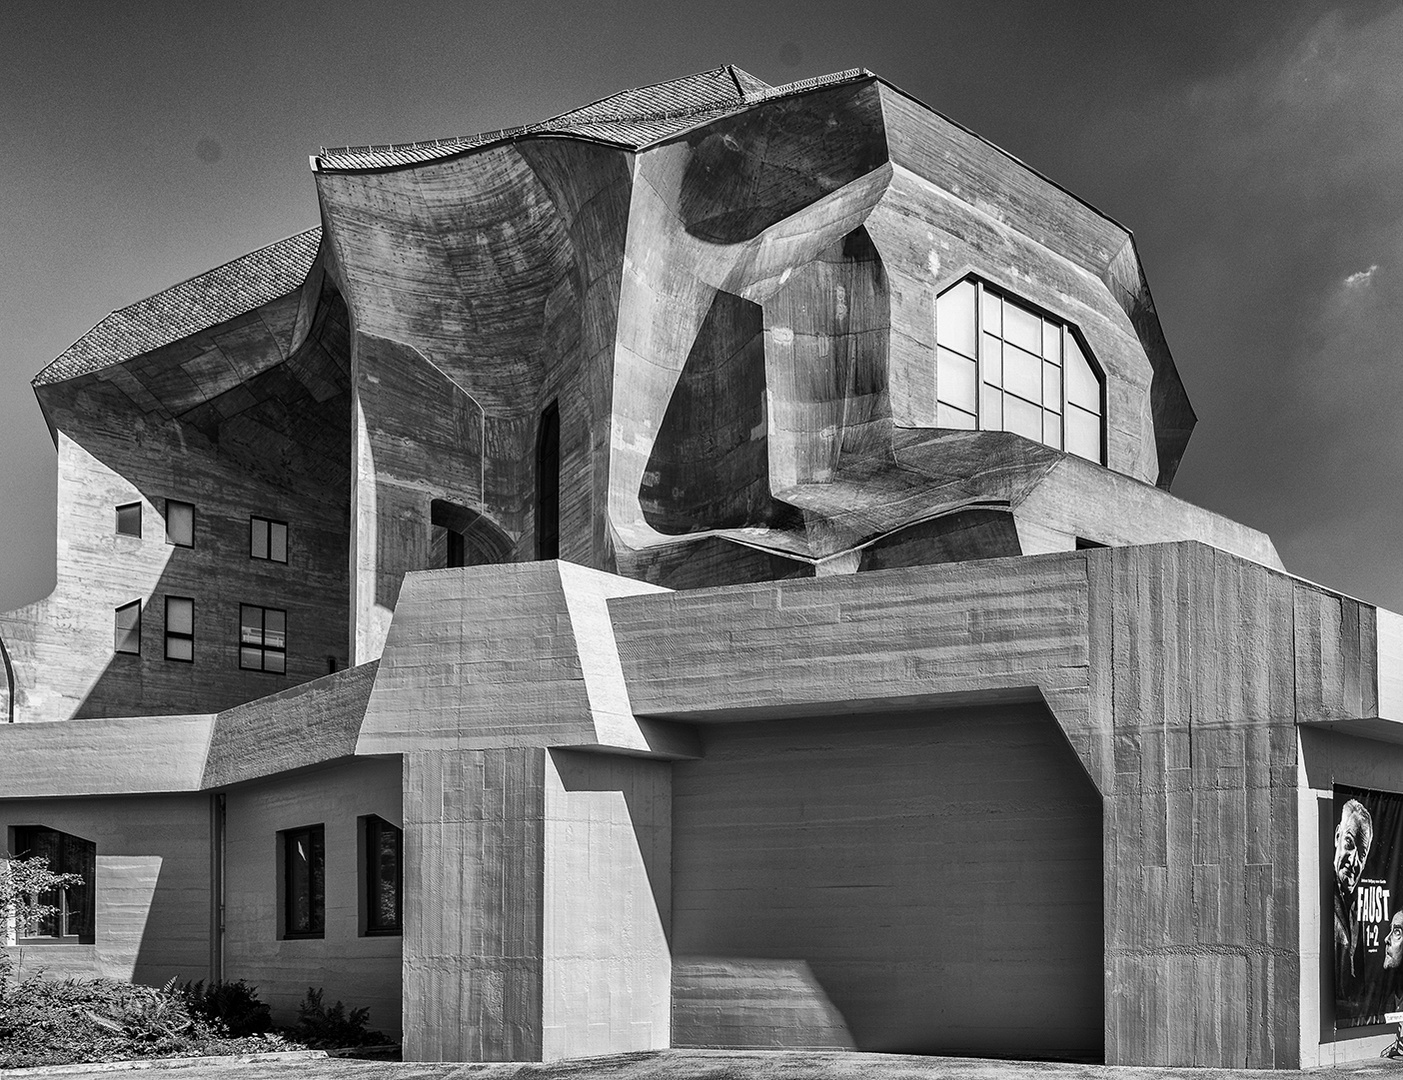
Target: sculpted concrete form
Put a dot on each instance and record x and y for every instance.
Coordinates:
(977, 789)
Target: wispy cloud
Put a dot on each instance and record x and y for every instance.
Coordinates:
(1360, 278)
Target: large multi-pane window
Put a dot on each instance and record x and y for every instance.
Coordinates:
(69, 915)
(304, 882)
(262, 638)
(1002, 366)
(384, 875)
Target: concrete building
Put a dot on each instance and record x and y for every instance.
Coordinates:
(697, 571)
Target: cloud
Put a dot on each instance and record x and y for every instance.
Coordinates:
(1360, 278)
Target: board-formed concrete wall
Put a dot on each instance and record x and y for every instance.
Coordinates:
(937, 875)
(118, 444)
(153, 900)
(361, 971)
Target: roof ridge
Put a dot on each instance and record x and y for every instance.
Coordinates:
(203, 300)
(747, 89)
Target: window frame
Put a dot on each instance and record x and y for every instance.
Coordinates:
(254, 521)
(179, 635)
(262, 646)
(1068, 330)
(372, 828)
(86, 933)
(290, 893)
(118, 522)
(133, 631)
(180, 502)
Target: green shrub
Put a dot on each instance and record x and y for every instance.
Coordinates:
(231, 1008)
(58, 1022)
(332, 1027)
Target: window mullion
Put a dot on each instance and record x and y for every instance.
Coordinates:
(979, 355)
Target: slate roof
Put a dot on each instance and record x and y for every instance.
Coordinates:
(632, 118)
(211, 298)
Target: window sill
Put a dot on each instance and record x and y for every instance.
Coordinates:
(320, 935)
(396, 932)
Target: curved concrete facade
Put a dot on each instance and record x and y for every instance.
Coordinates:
(573, 507)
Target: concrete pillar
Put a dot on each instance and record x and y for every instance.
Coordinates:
(537, 904)
(607, 973)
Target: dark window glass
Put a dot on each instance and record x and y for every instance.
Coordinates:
(304, 882)
(267, 539)
(180, 523)
(548, 484)
(72, 916)
(262, 638)
(129, 519)
(384, 876)
(457, 552)
(180, 628)
(127, 629)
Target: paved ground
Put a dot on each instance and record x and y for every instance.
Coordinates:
(699, 1065)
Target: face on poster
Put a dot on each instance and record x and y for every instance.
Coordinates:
(1367, 884)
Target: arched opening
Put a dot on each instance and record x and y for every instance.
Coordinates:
(463, 537)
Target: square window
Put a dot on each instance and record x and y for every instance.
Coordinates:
(68, 912)
(180, 628)
(129, 519)
(180, 523)
(267, 539)
(383, 877)
(127, 629)
(262, 639)
(304, 882)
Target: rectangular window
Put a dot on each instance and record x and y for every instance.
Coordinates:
(262, 638)
(127, 631)
(384, 876)
(304, 882)
(129, 519)
(180, 628)
(70, 915)
(267, 539)
(180, 523)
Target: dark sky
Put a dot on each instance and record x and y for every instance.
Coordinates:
(1254, 148)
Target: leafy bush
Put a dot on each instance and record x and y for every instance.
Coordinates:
(25, 886)
(333, 1027)
(231, 1008)
(57, 1022)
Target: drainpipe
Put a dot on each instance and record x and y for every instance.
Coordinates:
(216, 952)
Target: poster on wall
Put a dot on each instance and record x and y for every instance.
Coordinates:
(1367, 883)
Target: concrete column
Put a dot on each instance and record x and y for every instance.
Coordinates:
(473, 832)
(607, 972)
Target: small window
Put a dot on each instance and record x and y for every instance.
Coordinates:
(180, 523)
(129, 519)
(262, 639)
(70, 915)
(180, 628)
(384, 876)
(267, 539)
(127, 631)
(304, 882)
